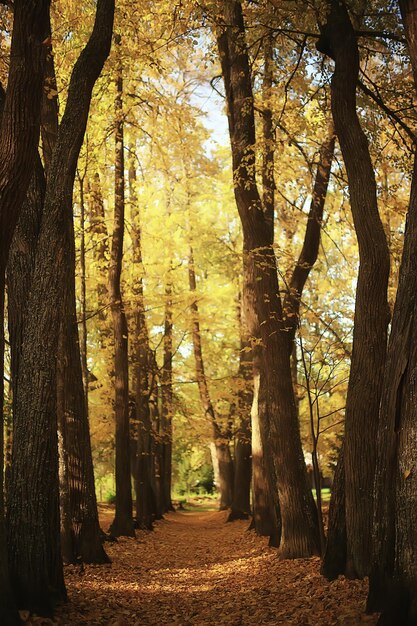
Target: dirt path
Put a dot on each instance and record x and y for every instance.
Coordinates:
(195, 569)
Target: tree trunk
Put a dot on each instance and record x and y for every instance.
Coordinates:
(100, 252)
(371, 308)
(33, 509)
(334, 560)
(8, 612)
(266, 521)
(123, 521)
(263, 310)
(166, 399)
(80, 531)
(156, 442)
(19, 134)
(393, 579)
(84, 543)
(240, 508)
(144, 483)
(83, 299)
(144, 469)
(221, 442)
(20, 124)
(268, 132)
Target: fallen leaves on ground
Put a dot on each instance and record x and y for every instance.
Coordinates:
(196, 569)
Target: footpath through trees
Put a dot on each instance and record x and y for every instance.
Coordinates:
(196, 569)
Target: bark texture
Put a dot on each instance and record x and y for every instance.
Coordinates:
(240, 508)
(371, 307)
(167, 400)
(123, 521)
(19, 134)
(33, 508)
(393, 579)
(83, 535)
(263, 309)
(143, 445)
(20, 125)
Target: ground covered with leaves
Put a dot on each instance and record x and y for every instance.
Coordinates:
(196, 569)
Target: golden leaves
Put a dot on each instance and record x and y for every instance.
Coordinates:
(196, 570)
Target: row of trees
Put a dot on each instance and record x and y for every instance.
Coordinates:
(150, 355)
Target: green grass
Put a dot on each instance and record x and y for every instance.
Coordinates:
(194, 503)
(325, 495)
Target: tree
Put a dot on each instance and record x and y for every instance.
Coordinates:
(393, 576)
(222, 457)
(240, 506)
(123, 521)
(263, 308)
(34, 549)
(338, 40)
(19, 134)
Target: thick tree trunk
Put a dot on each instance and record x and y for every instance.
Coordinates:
(20, 124)
(19, 134)
(8, 611)
(393, 579)
(277, 411)
(123, 521)
(220, 441)
(266, 517)
(265, 520)
(18, 147)
(371, 308)
(33, 509)
(80, 532)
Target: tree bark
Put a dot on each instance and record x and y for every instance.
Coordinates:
(263, 310)
(100, 252)
(33, 510)
(144, 374)
(123, 521)
(167, 399)
(80, 531)
(83, 299)
(19, 135)
(266, 518)
(84, 542)
(371, 308)
(8, 611)
(393, 579)
(266, 521)
(20, 123)
(240, 508)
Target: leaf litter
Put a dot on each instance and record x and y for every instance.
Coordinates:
(195, 569)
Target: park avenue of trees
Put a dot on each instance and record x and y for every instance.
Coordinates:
(208, 223)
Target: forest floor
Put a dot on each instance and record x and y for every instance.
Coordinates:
(196, 569)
